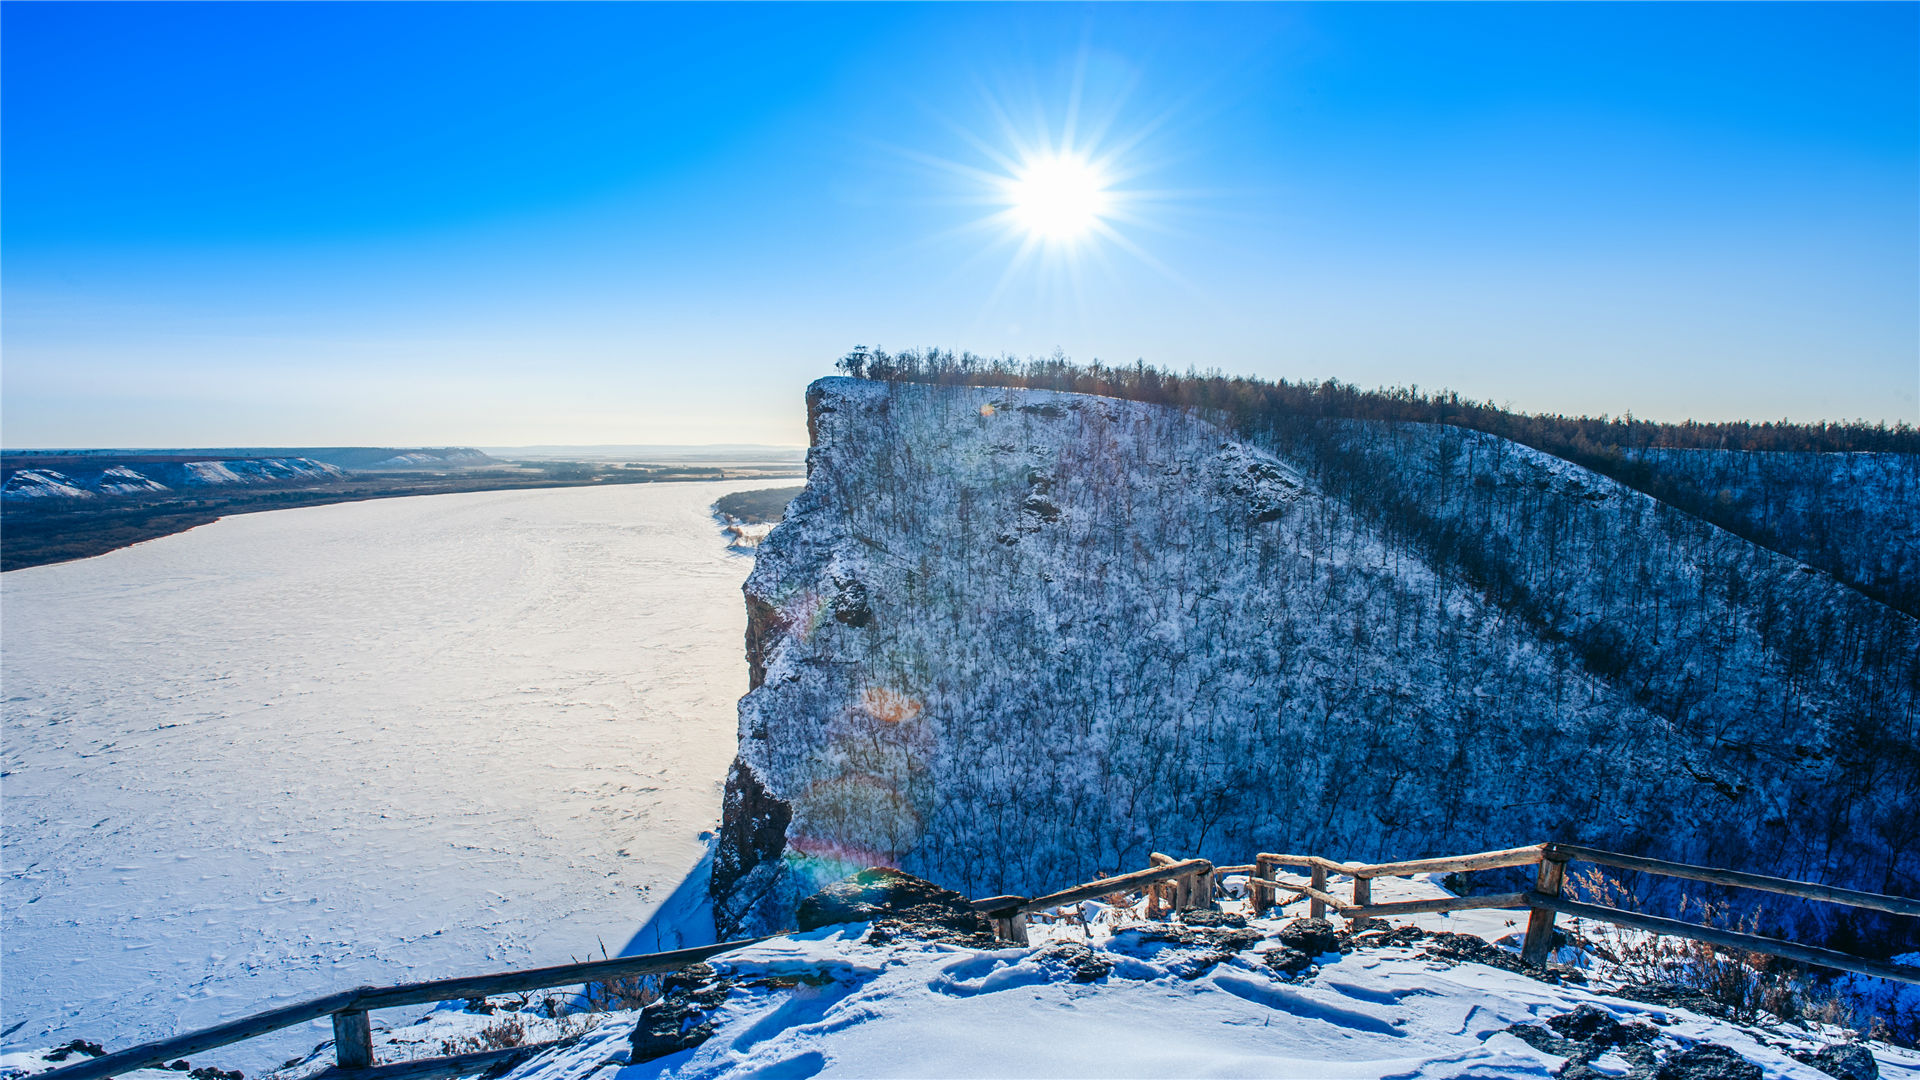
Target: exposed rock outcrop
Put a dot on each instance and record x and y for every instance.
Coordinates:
(1008, 640)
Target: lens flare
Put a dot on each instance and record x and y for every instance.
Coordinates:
(1059, 197)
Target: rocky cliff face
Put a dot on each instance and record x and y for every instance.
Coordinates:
(1008, 640)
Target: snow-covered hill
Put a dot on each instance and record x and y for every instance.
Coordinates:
(158, 477)
(1009, 639)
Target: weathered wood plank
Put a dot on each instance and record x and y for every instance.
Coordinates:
(1437, 904)
(1547, 881)
(194, 1042)
(1317, 892)
(1262, 875)
(1118, 883)
(1452, 864)
(1897, 905)
(1323, 900)
(352, 1039)
(1332, 866)
(508, 982)
(992, 904)
(1011, 928)
(1806, 954)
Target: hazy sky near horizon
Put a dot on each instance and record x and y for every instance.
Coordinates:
(308, 224)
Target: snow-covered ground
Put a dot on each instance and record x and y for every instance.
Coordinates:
(297, 751)
(827, 1003)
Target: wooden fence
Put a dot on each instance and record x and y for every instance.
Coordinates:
(1545, 900)
(1170, 884)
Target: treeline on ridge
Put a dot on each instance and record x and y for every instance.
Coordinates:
(1821, 516)
(1245, 399)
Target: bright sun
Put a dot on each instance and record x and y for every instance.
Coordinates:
(1059, 198)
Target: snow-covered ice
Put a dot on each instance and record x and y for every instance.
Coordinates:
(298, 751)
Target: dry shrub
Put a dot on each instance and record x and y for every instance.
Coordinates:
(1749, 984)
(505, 1032)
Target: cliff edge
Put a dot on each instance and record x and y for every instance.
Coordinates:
(1008, 640)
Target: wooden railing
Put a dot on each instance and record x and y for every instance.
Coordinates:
(1170, 884)
(353, 1033)
(1544, 901)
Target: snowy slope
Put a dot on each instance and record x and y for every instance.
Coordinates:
(43, 484)
(1855, 515)
(301, 750)
(1116, 998)
(149, 478)
(1008, 639)
(1099, 992)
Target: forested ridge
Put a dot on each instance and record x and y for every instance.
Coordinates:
(1855, 520)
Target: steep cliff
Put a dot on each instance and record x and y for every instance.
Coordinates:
(1010, 639)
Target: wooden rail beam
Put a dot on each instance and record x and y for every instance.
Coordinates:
(1331, 866)
(1806, 954)
(507, 982)
(1322, 899)
(365, 998)
(1437, 904)
(1118, 883)
(193, 1042)
(1896, 905)
(1452, 864)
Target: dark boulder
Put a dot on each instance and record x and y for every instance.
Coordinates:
(1289, 961)
(1707, 1061)
(678, 1019)
(898, 905)
(1076, 961)
(77, 1046)
(1209, 917)
(1848, 1061)
(1454, 948)
(1315, 937)
(1595, 1026)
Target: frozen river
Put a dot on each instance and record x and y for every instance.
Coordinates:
(297, 751)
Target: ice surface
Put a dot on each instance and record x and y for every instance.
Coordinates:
(297, 751)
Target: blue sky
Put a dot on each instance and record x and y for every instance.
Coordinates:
(501, 225)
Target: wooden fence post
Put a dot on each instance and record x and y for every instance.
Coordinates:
(1362, 891)
(1203, 890)
(352, 1039)
(1010, 926)
(1547, 881)
(1318, 908)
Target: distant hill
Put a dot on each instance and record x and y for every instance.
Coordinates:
(717, 453)
(81, 477)
(351, 458)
